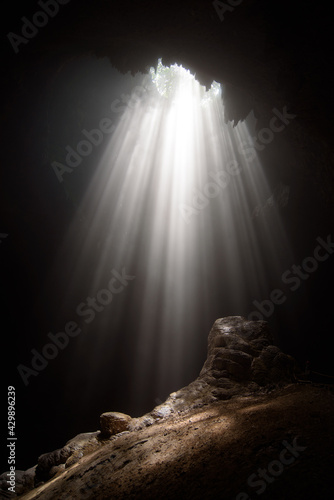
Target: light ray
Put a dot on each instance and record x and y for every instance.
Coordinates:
(173, 199)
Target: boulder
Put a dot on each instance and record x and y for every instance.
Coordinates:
(50, 464)
(241, 358)
(114, 422)
(243, 351)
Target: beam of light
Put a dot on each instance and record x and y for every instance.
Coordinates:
(190, 252)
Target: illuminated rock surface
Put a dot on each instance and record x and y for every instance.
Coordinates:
(207, 439)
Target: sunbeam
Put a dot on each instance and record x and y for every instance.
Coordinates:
(176, 193)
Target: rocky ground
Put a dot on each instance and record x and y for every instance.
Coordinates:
(240, 431)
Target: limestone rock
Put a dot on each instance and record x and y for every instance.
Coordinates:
(56, 470)
(272, 366)
(50, 464)
(48, 461)
(211, 452)
(114, 422)
(74, 458)
(242, 351)
(24, 481)
(241, 361)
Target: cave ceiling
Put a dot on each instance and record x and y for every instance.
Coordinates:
(266, 54)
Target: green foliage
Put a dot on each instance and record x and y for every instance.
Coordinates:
(167, 78)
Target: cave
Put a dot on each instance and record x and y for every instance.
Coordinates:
(167, 170)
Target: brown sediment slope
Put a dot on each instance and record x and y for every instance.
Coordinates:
(245, 428)
(211, 452)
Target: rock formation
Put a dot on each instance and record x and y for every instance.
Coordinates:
(241, 362)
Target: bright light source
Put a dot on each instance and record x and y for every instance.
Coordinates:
(170, 80)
